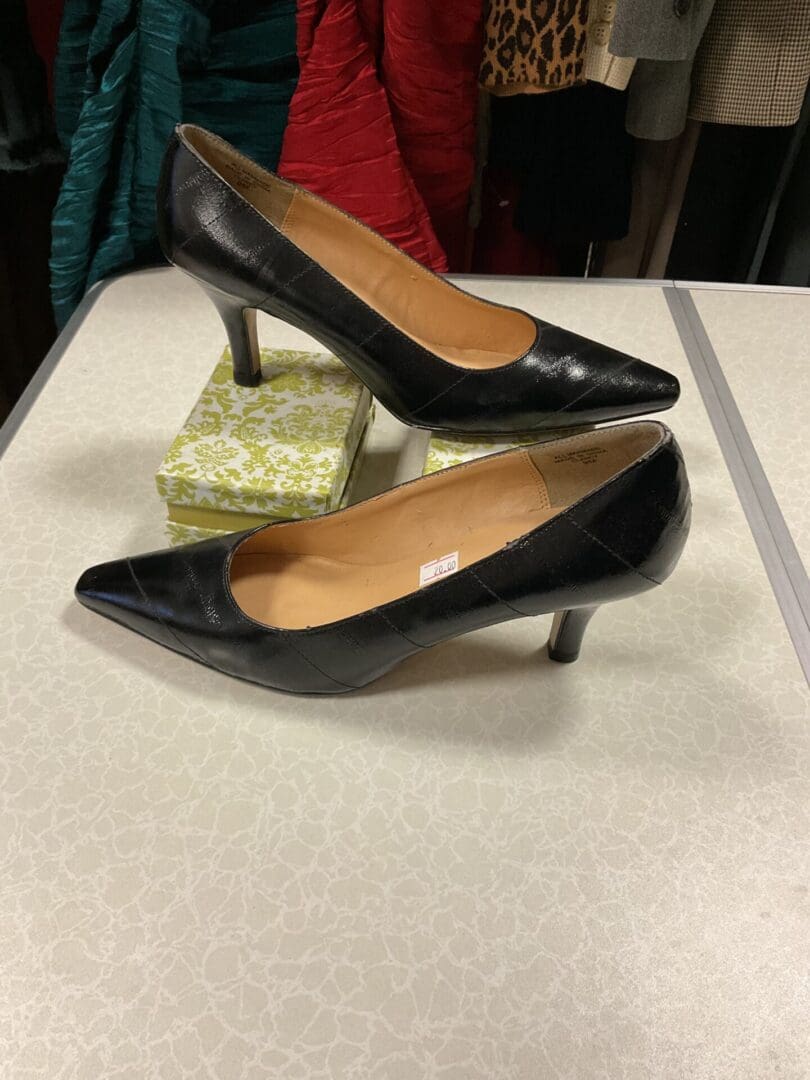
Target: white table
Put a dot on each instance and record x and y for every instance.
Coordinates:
(762, 340)
(485, 865)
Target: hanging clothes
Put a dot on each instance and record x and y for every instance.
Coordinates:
(601, 64)
(44, 19)
(31, 163)
(658, 29)
(660, 175)
(27, 136)
(754, 63)
(501, 248)
(340, 140)
(786, 244)
(731, 186)
(664, 36)
(382, 122)
(126, 72)
(531, 48)
(574, 157)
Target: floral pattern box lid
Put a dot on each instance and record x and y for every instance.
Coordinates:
(282, 449)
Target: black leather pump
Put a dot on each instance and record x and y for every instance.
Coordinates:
(328, 604)
(435, 356)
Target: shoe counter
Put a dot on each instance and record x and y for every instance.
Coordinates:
(483, 865)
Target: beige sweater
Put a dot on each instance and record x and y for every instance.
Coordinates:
(600, 64)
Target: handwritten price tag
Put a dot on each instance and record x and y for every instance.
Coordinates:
(439, 568)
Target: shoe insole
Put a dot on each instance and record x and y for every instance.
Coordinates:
(454, 325)
(462, 329)
(299, 590)
(319, 570)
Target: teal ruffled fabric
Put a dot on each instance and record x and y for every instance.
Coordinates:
(126, 72)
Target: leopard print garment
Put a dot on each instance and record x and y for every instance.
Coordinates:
(533, 45)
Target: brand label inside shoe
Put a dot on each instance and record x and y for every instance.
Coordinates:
(439, 568)
(245, 180)
(585, 456)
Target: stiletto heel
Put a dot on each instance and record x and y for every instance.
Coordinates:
(567, 631)
(240, 326)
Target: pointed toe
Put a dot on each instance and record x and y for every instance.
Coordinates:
(111, 589)
(107, 587)
(654, 387)
(581, 381)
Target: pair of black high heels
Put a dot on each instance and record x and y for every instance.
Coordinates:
(328, 604)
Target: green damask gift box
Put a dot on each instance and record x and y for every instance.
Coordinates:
(283, 449)
(446, 450)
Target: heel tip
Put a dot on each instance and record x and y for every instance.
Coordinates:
(561, 657)
(252, 379)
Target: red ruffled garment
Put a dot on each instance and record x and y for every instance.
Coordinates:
(44, 18)
(382, 122)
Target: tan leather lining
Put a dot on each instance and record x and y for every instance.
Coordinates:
(461, 329)
(314, 572)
